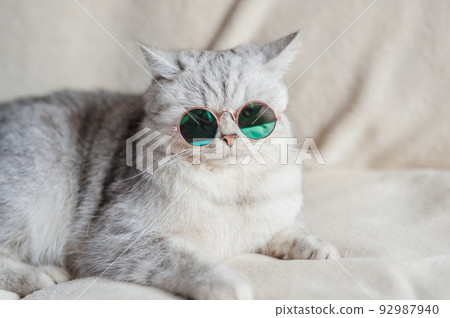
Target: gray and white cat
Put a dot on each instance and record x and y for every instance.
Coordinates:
(70, 206)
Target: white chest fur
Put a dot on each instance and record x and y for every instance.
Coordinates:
(232, 210)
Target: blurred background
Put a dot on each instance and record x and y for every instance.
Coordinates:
(377, 98)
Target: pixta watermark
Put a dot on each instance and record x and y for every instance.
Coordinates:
(142, 147)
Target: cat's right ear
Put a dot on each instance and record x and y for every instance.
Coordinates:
(161, 64)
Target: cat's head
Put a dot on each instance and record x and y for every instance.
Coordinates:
(219, 81)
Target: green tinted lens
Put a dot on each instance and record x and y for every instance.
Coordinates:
(257, 120)
(198, 127)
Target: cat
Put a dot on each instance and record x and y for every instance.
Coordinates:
(70, 207)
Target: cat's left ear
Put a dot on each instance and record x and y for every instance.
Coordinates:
(280, 53)
(161, 64)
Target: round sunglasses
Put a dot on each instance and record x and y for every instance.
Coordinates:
(198, 125)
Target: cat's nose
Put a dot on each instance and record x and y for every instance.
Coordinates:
(229, 139)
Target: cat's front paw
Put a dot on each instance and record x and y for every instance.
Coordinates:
(26, 282)
(308, 247)
(7, 295)
(224, 283)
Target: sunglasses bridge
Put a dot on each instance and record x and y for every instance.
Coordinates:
(229, 139)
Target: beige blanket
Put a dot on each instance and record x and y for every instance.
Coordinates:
(376, 102)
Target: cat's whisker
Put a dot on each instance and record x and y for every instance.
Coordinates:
(173, 161)
(175, 155)
(135, 176)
